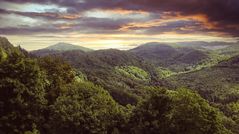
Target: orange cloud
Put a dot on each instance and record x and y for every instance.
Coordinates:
(168, 17)
(69, 16)
(148, 24)
(65, 26)
(126, 12)
(196, 17)
(200, 18)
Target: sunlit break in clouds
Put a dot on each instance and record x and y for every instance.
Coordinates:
(120, 24)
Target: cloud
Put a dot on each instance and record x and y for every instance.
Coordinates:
(45, 15)
(222, 14)
(26, 31)
(86, 25)
(211, 15)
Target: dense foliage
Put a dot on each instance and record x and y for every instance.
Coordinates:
(22, 93)
(176, 112)
(102, 68)
(112, 91)
(176, 59)
(218, 84)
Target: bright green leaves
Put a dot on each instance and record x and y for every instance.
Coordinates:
(164, 72)
(133, 72)
(3, 55)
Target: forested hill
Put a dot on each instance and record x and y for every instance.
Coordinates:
(231, 63)
(174, 58)
(58, 48)
(6, 45)
(218, 84)
(120, 72)
(106, 91)
(61, 46)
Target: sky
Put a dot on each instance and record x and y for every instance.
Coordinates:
(120, 24)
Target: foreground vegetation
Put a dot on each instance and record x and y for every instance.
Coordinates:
(49, 96)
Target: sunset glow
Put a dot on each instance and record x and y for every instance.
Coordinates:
(117, 24)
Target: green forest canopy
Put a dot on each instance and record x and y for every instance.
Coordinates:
(44, 95)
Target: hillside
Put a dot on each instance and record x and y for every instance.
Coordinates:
(66, 47)
(231, 63)
(219, 83)
(216, 45)
(173, 58)
(58, 48)
(231, 50)
(7, 47)
(102, 68)
(5, 44)
(223, 48)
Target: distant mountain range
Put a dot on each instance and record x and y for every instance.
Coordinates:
(158, 54)
(177, 57)
(185, 61)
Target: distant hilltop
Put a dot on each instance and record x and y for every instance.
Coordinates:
(67, 47)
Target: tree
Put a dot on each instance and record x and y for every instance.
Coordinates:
(21, 94)
(192, 114)
(85, 108)
(59, 76)
(151, 115)
(176, 112)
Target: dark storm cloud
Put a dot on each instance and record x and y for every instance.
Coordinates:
(216, 10)
(224, 13)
